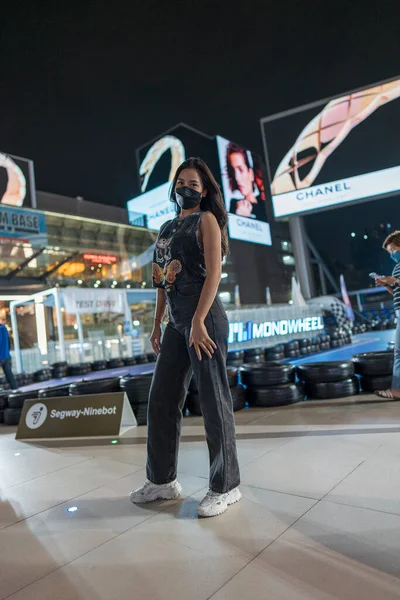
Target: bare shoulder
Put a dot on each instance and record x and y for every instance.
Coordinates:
(208, 219)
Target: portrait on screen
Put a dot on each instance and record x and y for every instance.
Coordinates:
(242, 181)
(244, 193)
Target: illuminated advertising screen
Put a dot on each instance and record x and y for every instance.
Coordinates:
(239, 171)
(244, 193)
(17, 184)
(152, 208)
(335, 151)
(158, 161)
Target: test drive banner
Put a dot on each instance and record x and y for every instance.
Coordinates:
(84, 301)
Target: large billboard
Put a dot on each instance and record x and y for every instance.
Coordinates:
(157, 162)
(244, 193)
(237, 169)
(151, 209)
(334, 151)
(17, 182)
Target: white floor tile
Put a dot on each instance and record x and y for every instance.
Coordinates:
(375, 484)
(333, 552)
(309, 466)
(40, 544)
(29, 498)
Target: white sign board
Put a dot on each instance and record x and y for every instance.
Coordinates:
(154, 205)
(85, 301)
(337, 192)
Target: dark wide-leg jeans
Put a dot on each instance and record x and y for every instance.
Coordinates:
(175, 365)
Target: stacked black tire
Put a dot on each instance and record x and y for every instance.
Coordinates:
(58, 391)
(254, 355)
(325, 341)
(59, 370)
(270, 384)
(375, 370)
(99, 365)
(42, 375)
(3, 405)
(275, 353)
(130, 361)
(137, 389)
(141, 359)
(307, 346)
(22, 379)
(292, 349)
(96, 386)
(115, 363)
(237, 391)
(328, 380)
(340, 338)
(75, 370)
(11, 406)
(235, 358)
(151, 357)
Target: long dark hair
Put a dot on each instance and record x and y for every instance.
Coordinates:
(213, 201)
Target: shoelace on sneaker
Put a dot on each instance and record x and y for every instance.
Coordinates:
(213, 495)
(144, 487)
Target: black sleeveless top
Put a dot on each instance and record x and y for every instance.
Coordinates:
(178, 254)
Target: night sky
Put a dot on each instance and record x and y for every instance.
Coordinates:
(84, 84)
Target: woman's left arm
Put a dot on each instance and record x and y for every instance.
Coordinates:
(211, 239)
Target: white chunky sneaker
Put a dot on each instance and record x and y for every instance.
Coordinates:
(149, 492)
(215, 504)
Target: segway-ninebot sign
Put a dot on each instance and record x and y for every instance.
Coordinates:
(72, 416)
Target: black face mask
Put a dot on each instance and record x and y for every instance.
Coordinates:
(187, 198)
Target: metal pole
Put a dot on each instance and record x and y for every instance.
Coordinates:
(127, 324)
(317, 255)
(323, 280)
(80, 336)
(301, 255)
(59, 322)
(17, 348)
(359, 303)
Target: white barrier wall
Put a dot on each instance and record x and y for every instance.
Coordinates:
(270, 325)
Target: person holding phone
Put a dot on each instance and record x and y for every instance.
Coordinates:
(186, 272)
(392, 284)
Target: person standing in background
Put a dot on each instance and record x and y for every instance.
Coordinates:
(392, 284)
(5, 356)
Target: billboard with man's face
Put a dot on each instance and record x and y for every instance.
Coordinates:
(244, 193)
(238, 170)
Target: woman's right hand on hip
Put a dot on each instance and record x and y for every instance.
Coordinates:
(155, 338)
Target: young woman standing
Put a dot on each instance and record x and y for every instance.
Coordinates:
(187, 272)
